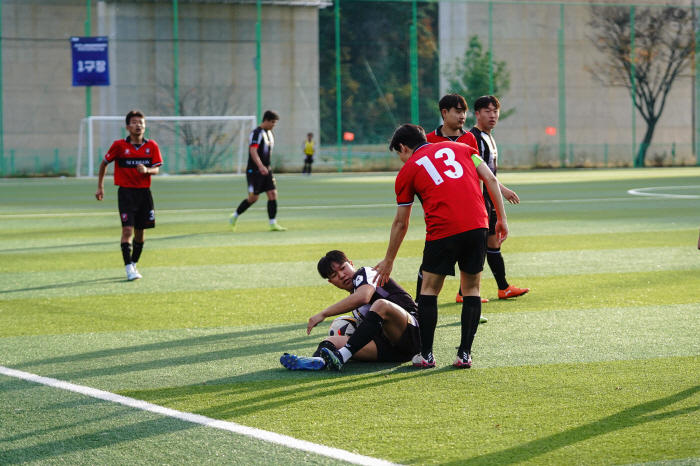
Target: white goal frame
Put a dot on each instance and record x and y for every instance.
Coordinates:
(89, 122)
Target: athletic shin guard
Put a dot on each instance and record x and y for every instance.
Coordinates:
(136, 255)
(497, 266)
(272, 209)
(126, 253)
(369, 328)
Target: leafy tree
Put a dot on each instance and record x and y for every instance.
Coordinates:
(663, 48)
(469, 76)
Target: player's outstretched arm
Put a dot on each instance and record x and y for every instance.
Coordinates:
(509, 194)
(398, 232)
(100, 193)
(359, 298)
(492, 185)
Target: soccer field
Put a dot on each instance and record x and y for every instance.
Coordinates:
(598, 364)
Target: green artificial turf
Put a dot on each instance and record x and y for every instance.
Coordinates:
(596, 365)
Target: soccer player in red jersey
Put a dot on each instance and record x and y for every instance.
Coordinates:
(453, 109)
(137, 160)
(446, 178)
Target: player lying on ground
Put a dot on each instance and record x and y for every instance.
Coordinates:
(388, 329)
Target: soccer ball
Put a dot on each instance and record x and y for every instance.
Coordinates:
(343, 326)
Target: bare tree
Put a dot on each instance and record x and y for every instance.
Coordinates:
(207, 144)
(664, 44)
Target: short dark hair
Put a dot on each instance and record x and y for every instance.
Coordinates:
(409, 135)
(453, 101)
(484, 101)
(270, 115)
(132, 114)
(325, 265)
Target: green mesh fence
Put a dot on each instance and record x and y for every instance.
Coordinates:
(575, 91)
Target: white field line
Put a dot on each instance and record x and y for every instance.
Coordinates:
(650, 192)
(266, 436)
(358, 206)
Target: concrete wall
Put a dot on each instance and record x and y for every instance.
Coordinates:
(217, 59)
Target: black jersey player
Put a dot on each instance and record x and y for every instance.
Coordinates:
(388, 329)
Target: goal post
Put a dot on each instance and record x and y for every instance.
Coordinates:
(189, 144)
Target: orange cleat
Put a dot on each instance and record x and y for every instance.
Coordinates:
(512, 292)
(459, 299)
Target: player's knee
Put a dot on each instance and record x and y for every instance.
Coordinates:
(382, 308)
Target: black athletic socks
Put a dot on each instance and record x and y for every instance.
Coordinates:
(136, 255)
(272, 209)
(243, 206)
(471, 313)
(497, 266)
(369, 328)
(323, 344)
(427, 321)
(126, 253)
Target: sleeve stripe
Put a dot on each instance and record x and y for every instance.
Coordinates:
(157, 164)
(401, 204)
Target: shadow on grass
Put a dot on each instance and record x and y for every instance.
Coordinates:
(62, 246)
(236, 345)
(630, 417)
(67, 285)
(280, 393)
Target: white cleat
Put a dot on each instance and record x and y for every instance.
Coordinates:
(131, 273)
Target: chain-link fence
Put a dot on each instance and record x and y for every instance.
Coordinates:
(581, 85)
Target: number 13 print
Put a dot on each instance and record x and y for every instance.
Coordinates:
(456, 169)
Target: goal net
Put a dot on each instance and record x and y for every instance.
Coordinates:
(188, 144)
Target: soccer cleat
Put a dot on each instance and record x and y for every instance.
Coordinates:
(131, 273)
(135, 269)
(460, 299)
(463, 360)
(232, 221)
(483, 320)
(302, 363)
(419, 361)
(332, 358)
(512, 292)
(275, 227)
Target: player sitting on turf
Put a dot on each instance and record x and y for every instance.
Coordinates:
(388, 329)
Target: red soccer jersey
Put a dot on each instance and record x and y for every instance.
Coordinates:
(466, 138)
(128, 157)
(444, 176)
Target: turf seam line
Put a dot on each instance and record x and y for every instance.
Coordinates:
(259, 434)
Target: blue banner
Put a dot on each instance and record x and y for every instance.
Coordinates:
(90, 61)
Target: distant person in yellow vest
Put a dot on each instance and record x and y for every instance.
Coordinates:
(309, 147)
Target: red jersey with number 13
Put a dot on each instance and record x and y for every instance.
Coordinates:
(444, 176)
(128, 157)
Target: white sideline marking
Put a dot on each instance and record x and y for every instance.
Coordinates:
(649, 192)
(357, 206)
(272, 437)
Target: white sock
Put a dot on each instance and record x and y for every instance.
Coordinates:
(235, 214)
(345, 353)
(273, 221)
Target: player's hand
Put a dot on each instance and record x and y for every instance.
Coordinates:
(501, 231)
(100, 194)
(510, 196)
(141, 168)
(383, 269)
(264, 170)
(314, 321)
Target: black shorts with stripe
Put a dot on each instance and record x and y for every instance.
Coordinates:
(136, 208)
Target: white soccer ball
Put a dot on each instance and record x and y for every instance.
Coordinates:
(343, 326)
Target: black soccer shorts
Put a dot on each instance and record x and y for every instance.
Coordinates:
(136, 208)
(467, 250)
(258, 183)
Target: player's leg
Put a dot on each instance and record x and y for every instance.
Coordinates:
(144, 219)
(272, 204)
(254, 181)
(471, 264)
(428, 316)
(382, 316)
(311, 161)
(127, 213)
